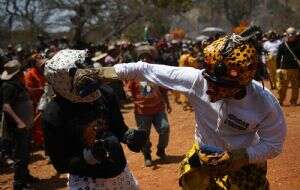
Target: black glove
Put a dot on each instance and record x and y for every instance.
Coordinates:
(98, 150)
(135, 139)
(107, 147)
(85, 81)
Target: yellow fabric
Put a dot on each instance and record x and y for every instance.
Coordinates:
(192, 178)
(187, 60)
(251, 177)
(271, 66)
(283, 78)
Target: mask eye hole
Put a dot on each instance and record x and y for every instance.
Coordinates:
(220, 70)
(72, 71)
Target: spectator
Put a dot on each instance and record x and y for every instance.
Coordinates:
(271, 47)
(18, 110)
(288, 67)
(149, 102)
(35, 83)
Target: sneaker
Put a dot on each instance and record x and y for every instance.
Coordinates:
(161, 154)
(148, 162)
(22, 186)
(32, 179)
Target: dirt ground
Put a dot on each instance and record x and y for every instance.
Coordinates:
(283, 171)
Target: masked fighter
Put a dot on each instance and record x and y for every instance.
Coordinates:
(239, 124)
(84, 127)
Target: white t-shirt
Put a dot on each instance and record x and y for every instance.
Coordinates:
(255, 122)
(272, 47)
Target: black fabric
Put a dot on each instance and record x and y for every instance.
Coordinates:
(13, 91)
(285, 59)
(135, 139)
(63, 123)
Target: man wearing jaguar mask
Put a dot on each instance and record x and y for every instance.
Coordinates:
(239, 124)
(83, 128)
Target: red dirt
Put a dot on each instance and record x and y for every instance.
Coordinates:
(283, 171)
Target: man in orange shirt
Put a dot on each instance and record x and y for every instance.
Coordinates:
(150, 103)
(34, 83)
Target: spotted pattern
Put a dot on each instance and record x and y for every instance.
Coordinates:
(57, 74)
(124, 181)
(241, 62)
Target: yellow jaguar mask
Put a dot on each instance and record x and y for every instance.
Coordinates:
(232, 60)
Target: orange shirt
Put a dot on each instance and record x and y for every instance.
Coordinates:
(33, 80)
(147, 98)
(187, 60)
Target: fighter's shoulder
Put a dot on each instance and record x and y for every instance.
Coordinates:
(263, 95)
(53, 111)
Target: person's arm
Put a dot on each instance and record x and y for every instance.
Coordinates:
(9, 92)
(164, 93)
(8, 109)
(175, 78)
(134, 138)
(272, 132)
(279, 57)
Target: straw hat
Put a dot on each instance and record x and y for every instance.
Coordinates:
(291, 31)
(98, 56)
(146, 49)
(11, 68)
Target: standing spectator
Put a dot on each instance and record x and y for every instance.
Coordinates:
(18, 110)
(98, 59)
(271, 47)
(149, 102)
(34, 83)
(288, 67)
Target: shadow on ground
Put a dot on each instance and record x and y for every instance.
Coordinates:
(54, 182)
(169, 160)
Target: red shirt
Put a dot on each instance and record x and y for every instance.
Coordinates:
(147, 98)
(34, 80)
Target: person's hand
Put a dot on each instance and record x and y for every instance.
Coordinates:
(107, 147)
(135, 139)
(98, 150)
(21, 125)
(86, 81)
(169, 109)
(224, 162)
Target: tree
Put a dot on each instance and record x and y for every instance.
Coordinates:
(238, 10)
(26, 14)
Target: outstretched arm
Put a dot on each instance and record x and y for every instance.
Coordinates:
(180, 79)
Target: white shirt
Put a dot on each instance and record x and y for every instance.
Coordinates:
(255, 122)
(272, 47)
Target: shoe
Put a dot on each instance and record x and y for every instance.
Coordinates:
(148, 162)
(22, 186)
(9, 162)
(161, 154)
(32, 179)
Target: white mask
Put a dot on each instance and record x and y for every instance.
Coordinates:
(57, 74)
